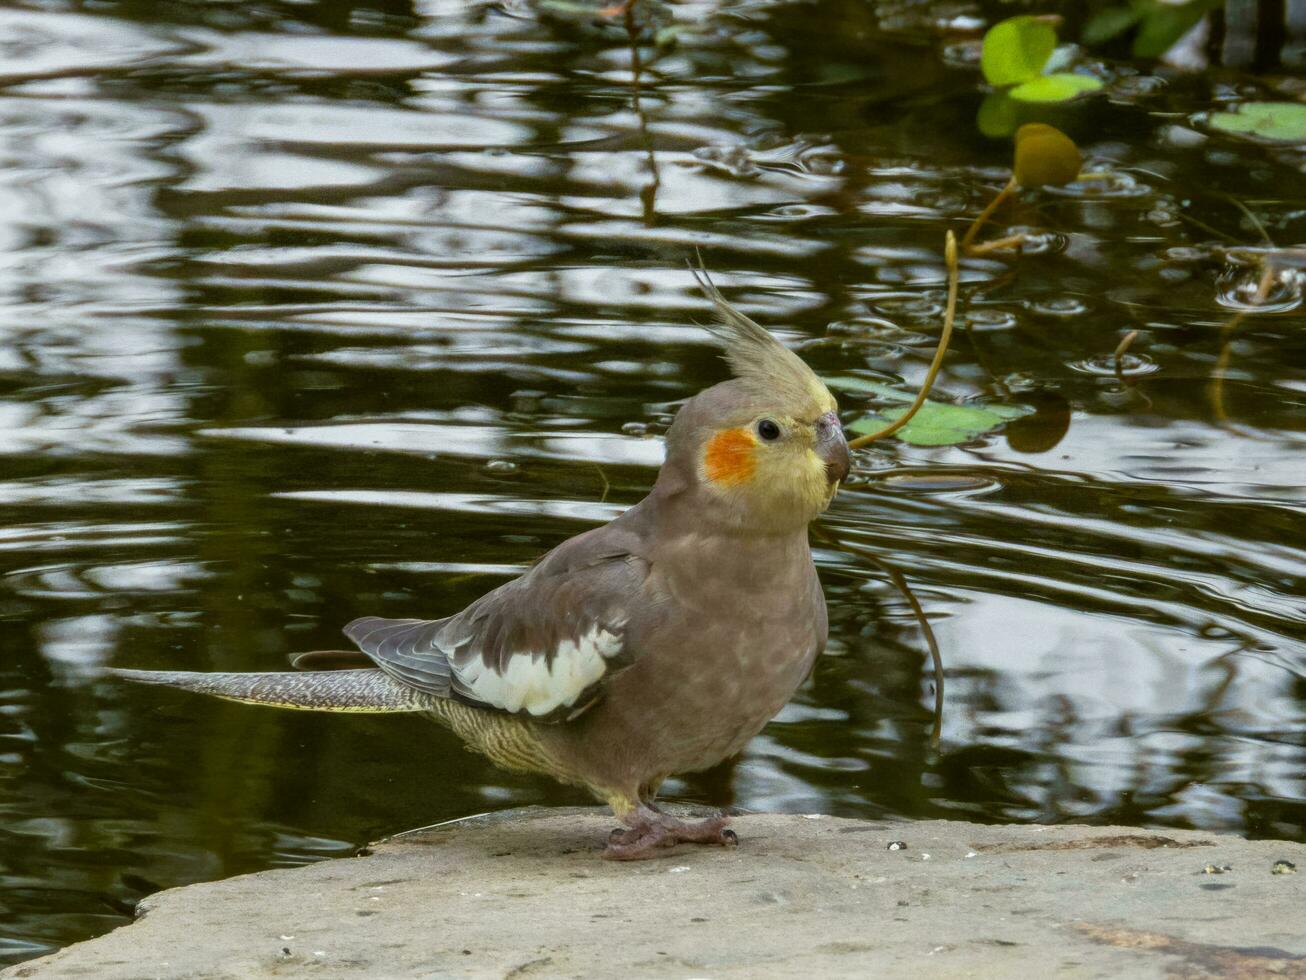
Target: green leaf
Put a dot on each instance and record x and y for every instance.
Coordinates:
(940, 424)
(936, 424)
(1061, 87)
(1281, 121)
(847, 382)
(1111, 22)
(1166, 23)
(997, 116)
(1016, 49)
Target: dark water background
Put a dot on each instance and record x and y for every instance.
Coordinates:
(315, 311)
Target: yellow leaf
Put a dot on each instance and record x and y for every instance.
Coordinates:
(1045, 156)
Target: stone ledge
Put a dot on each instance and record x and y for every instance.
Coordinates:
(523, 894)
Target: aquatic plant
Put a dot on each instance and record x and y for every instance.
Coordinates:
(1044, 157)
(1016, 56)
(1157, 24)
(1279, 122)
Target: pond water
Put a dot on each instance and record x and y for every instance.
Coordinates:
(315, 311)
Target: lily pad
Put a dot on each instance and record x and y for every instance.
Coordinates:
(848, 382)
(1016, 49)
(936, 424)
(1061, 87)
(939, 424)
(1280, 121)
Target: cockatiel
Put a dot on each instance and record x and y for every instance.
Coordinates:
(660, 643)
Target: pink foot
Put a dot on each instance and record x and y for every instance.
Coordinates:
(652, 831)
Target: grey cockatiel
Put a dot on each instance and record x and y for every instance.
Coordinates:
(657, 644)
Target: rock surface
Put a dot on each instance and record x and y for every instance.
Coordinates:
(523, 894)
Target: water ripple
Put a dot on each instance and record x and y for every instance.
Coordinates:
(311, 311)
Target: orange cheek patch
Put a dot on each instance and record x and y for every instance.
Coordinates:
(729, 458)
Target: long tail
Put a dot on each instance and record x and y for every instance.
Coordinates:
(325, 690)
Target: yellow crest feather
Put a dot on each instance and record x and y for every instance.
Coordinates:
(767, 367)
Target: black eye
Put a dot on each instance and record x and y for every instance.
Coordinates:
(768, 430)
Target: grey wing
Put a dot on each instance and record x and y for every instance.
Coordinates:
(406, 650)
(543, 644)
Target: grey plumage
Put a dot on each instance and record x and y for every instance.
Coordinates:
(336, 690)
(659, 643)
(572, 605)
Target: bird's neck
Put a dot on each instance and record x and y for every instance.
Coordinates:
(686, 522)
(678, 504)
(712, 570)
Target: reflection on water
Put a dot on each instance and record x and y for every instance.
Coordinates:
(310, 312)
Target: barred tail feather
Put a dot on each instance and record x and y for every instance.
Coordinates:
(366, 690)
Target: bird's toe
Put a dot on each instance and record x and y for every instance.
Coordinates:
(712, 830)
(621, 835)
(638, 844)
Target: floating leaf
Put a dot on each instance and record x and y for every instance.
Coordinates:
(1280, 121)
(939, 424)
(1061, 87)
(848, 382)
(1016, 49)
(1045, 156)
(936, 424)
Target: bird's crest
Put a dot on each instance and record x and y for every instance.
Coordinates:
(769, 369)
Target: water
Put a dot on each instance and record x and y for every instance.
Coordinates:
(314, 312)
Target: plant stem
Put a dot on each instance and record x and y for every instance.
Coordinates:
(973, 230)
(1121, 347)
(1226, 346)
(998, 244)
(954, 277)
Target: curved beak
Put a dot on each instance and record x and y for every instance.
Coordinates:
(832, 448)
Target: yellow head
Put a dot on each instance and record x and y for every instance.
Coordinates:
(765, 449)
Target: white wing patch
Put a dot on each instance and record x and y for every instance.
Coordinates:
(534, 684)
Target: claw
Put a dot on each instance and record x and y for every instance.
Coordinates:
(729, 837)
